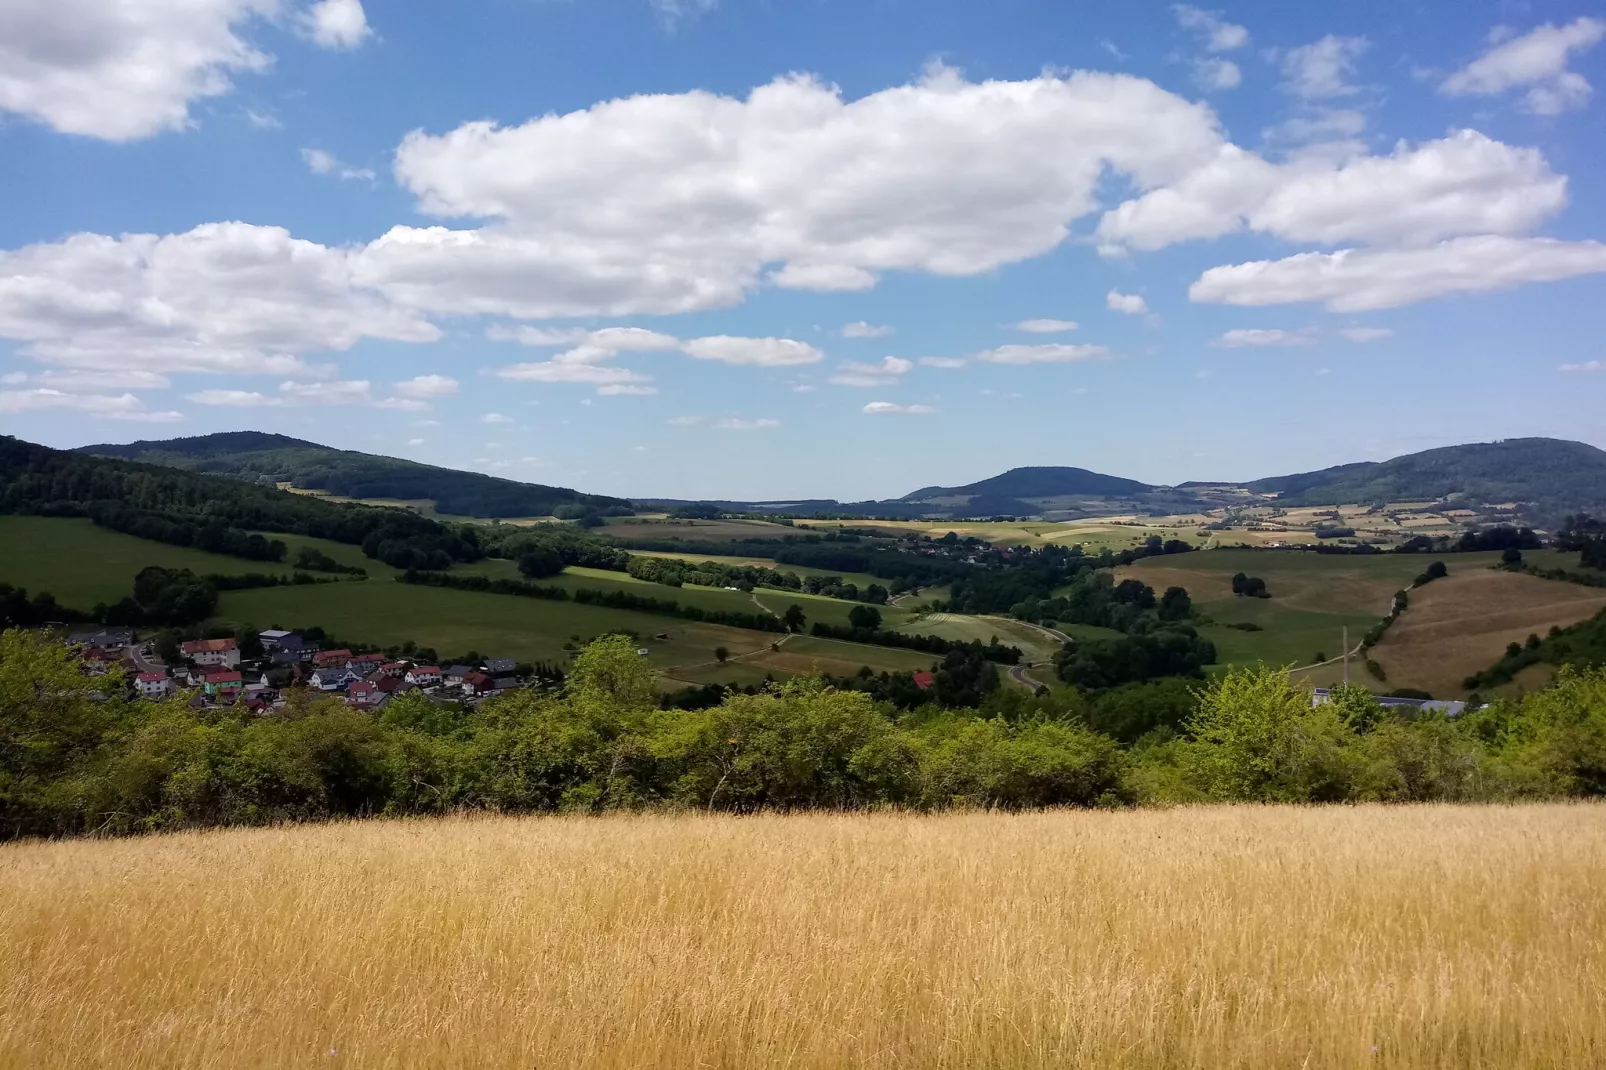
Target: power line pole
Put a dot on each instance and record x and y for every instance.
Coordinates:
(1346, 655)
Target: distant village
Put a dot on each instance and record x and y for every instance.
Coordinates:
(219, 676)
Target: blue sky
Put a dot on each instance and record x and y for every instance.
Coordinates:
(824, 248)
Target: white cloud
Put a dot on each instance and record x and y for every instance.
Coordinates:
(1537, 60)
(1365, 334)
(415, 442)
(1261, 338)
(240, 399)
(1219, 35)
(1587, 366)
(337, 23)
(626, 206)
(1126, 304)
(673, 12)
(428, 386)
(855, 373)
(1357, 280)
(85, 380)
(320, 162)
(1043, 354)
(554, 371)
(1214, 73)
(880, 408)
(736, 423)
(537, 337)
(685, 421)
(495, 418)
(942, 362)
(1321, 125)
(100, 406)
(1046, 326)
(861, 329)
(122, 71)
(221, 297)
(293, 393)
(765, 352)
(626, 390)
(1322, 68)
(631, 339)
(1462, 184)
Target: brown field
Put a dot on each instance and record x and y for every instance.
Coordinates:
(1250, 937)
(691, 530)
(1460, 625)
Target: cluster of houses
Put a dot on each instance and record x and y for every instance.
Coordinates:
(216, 672)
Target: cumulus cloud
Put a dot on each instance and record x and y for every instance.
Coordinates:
(737, 423)
(856, 373)
(292, 393)
(685, 421)
(99, 406)
(942, 362)
(1218, 34)
(631, 339)
(555, 371)
(1214, 73)
(495, 418)
(1537, 61)
(336, 24)
(1043, 354)
(1322, 68)
(1126, 304)
(221, 297)
(1365, 334)
(1587, 366)
(861, 329)
(1046, 326)
(122, 71)
(321, 162)
(428, 386)
(1358, 280)
(765, 352)
(882, 408)
(586, 362)
(626, 390)
(1459, 185)
(1262, 338)
(673, 12)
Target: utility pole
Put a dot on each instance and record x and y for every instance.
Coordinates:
(1346, 655)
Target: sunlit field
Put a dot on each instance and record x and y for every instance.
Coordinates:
(1220, 937)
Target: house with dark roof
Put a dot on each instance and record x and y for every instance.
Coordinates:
(333, 678)
(116, 638)
(456, 674)
(479, 683)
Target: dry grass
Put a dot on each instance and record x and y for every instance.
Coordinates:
(1248, 937)
(1460, 625)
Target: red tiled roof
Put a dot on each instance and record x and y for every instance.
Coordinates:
(925, 681)
(427, 669)
(479, 681)
(224, 678)
(151, 677)
(204, 646)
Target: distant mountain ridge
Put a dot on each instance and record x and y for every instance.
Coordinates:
(260, 457)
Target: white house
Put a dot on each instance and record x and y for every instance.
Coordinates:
(219, 652)
(333, 679)
(424, 675)
(153, 684)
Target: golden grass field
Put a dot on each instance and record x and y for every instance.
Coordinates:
(1460, 625)
(1248, 937)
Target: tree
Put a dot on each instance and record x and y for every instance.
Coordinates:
(865, 618)
(540, 562)
(721, 654)
(1511, 557)
(1175, 604)
(1436, 571)
(793, 618)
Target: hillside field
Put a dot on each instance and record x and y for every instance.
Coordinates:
(1227, 938)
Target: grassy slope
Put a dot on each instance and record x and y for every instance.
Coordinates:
(1314, 597)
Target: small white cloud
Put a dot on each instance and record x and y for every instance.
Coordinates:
(638, 449)
(673, 12)
(861, 329)
(881, 408)
(1365, 334)
(1219, 35)
(1126, 304)
(263, 120)
(415, 442)
(427, 386)
(321, 162)
(1258, 338)
(1215, 74)
(626, 390)
(1046, 326)
(536, 336)
(1323, 68)
(336, 24)
(495, 418)
(685, 421)
(426, 423)
(100, 406)
(1323, 371)
(1043, 354)
(1587, 366)
(736, 423)
(1538, 60)
(942, 362)
(764, 352)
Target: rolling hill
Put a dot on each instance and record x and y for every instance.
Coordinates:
(268, 459)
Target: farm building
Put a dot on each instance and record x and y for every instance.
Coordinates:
(213, 652)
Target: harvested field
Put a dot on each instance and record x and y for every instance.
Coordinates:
(694, 530)
(1238, 938)
(1461, 625)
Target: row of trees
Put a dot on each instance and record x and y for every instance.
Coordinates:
(72, 763)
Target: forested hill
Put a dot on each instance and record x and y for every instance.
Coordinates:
(1557, 476)
(1017, 489)
(212, 512)
(269, 459)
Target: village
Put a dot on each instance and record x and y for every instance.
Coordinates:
(220, 675)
